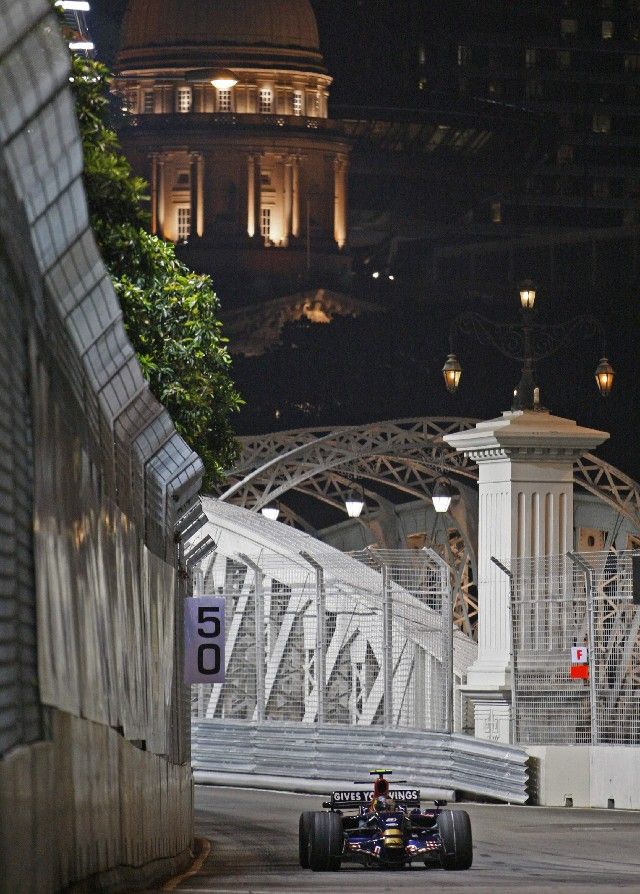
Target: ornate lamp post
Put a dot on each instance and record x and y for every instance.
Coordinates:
(526, 342)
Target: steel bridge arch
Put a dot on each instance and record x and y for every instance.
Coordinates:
(406, 455)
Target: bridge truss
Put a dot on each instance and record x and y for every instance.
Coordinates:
(397, 461)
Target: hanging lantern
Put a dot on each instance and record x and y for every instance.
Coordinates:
(527, 295)
(452, 372)
(604, 377)
(442, 495)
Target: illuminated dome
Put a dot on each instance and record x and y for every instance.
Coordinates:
(240, 33)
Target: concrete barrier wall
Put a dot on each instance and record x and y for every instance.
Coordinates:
(586, 776)
(87, 803)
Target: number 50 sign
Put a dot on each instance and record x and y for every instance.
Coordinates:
(204, 639)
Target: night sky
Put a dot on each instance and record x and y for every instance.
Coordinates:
(371, 48)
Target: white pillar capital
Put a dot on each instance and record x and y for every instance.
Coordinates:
(525, 478)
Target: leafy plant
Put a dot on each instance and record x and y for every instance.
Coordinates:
(170, 312)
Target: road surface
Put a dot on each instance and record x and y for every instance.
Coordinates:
(254, 837)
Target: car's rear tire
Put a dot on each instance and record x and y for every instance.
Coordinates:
(326, 841)
(304, 829)
(457, 843)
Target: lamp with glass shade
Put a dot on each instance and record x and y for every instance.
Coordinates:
(354, 503)
(604, 377)
(527, 294)
(452, 372)
(442, 495)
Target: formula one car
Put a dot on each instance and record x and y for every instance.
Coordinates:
(388, 830)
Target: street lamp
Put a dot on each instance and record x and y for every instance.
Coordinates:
(604, 377)
(526, 342)
(354, 502)
(271, 512)
(527, 295)
(442, 495)
(452, 372)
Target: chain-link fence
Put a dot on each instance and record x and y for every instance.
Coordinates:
(579, 600)
(305, 645)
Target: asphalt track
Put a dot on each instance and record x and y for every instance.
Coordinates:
(516, 849)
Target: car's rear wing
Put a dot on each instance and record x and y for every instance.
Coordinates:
(405, 797)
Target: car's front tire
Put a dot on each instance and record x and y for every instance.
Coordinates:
(326, 841)
(304, 830)
(457, 843)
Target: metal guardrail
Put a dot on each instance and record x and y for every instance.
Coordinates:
(428, 759)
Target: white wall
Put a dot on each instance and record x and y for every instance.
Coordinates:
(591, 776)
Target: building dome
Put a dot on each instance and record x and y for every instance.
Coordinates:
(244, 33)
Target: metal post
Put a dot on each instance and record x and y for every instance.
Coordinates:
(259, 634)
(447, 635)
(512, 650)
(198, 584)
(589, 586)
(320, 656)
(387, 645)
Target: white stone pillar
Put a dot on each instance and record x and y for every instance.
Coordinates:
(525, 462)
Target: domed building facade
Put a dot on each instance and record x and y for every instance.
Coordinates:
(249, 176)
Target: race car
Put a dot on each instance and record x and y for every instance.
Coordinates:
(388, 829)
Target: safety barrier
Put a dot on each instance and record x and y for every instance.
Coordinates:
(315, 752)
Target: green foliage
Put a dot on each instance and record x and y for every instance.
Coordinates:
(170, 313)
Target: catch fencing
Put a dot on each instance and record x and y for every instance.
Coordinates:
(305, 645)
(583, 600)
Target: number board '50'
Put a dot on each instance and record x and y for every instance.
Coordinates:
(204, 639)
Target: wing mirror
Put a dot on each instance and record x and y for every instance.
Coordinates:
(326, 803)
(440, 803)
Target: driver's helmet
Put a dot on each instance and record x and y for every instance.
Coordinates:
(383, 803)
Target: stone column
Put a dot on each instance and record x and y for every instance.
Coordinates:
(161, 197)
(197, 206)
(295, 198)
(154, 193)
(251, 201)
(525, 461)
(288, 197)
(340, 201)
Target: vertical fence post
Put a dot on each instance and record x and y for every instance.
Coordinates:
(446, 613)
(259, 635)
(590, 591)
(198, 583)
(387, 645)
(513, 655)
(321, 645)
